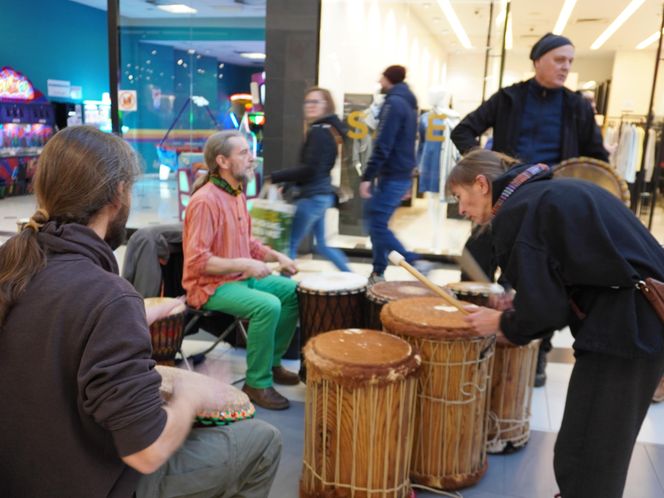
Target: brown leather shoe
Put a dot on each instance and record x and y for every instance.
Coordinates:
(284, 377)
(267, 398)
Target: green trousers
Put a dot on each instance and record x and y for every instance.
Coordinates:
(270, 305)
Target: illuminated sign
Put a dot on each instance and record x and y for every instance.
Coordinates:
(13, 85)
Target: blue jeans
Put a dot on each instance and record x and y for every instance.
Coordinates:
(385, 199)
(310, 215)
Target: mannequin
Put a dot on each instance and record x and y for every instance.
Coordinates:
(437, 155)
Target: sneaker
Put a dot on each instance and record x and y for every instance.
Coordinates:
(423, 266)
(374, 278)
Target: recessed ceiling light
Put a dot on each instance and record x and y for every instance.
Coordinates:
(563, 17)
(648, 41)
(177, 8)
(618, 21)
(253, 55)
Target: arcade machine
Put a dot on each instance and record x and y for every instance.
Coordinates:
(97, 113)
(26, 124)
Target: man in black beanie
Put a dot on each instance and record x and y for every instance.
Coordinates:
(536, 121)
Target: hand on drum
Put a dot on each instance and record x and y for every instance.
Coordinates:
(255, 268)
(484, 321)
(503, 301)
(287, 265)
(159, 311)
(202, 392)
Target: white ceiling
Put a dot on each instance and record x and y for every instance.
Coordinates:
(224, 51)
(531, 19)
(144, 9)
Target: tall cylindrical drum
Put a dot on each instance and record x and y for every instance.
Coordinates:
(360, 402)
(381, 293)
(449, 448)
(512, 379)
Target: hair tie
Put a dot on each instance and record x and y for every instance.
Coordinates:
(33, 223)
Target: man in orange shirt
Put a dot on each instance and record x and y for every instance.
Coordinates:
(225, 270)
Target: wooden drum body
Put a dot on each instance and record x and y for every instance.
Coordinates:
(511, 396)
(360, 403)
(383, 292)
(449, 448)
(166, 333)
(330, 301)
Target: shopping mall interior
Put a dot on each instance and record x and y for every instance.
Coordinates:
(167, 75)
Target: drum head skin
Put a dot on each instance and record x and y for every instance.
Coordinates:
(333, 282)
(234, 404)
(390, 291)
(158, 301)
(357, 357)
(429, 317)
(595, 171)
(475, 288)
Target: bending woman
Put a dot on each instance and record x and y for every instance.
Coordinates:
(574, 253)
(312, 176)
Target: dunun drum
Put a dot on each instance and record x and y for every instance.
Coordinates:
(383, 292)
(449, 447)
(330, 301)
(512, 380)
(360, 402)
(595, 171)
(511, 396)
(478, 293)
(234, 405)
(166, 333)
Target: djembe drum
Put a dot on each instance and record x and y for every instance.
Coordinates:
(383, 292)
(449, 448)
(330, 301)
(166, 333)
(360, 401)
(595, 171)
(233, 405)
(512, 379)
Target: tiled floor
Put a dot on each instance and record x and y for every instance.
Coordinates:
(526, 474)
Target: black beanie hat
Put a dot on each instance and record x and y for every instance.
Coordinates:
(547, 43)
(395, 74)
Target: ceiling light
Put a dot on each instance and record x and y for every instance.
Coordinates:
(177, 8)
(253, 55)
(563, 17)
(649, 41)
(619, 21)
(457, 27)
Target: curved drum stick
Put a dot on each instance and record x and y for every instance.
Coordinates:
(398, 260)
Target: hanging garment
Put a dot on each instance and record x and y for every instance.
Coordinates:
(436, 157)
(649, 164)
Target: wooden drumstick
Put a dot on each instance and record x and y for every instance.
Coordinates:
(398, 260)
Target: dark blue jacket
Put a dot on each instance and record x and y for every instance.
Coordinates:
(562, 241)
(393, 153)
(317, 158)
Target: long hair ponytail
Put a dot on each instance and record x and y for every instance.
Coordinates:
(217, 145)
(79, 172)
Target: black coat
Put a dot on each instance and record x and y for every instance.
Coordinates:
(503, 112)
(560, 241)
(317, 158)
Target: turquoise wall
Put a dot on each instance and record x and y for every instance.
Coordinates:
(57, 40)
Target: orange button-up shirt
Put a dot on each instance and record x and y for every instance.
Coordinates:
(216, 224)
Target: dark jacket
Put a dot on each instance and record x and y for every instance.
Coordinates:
(317, 158)
(76, 375)
(503, 111)
(393, 153)
(564, 241)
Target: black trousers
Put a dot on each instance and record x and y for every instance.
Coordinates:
(607, 400)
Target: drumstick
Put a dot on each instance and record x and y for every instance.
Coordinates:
(397, 259)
